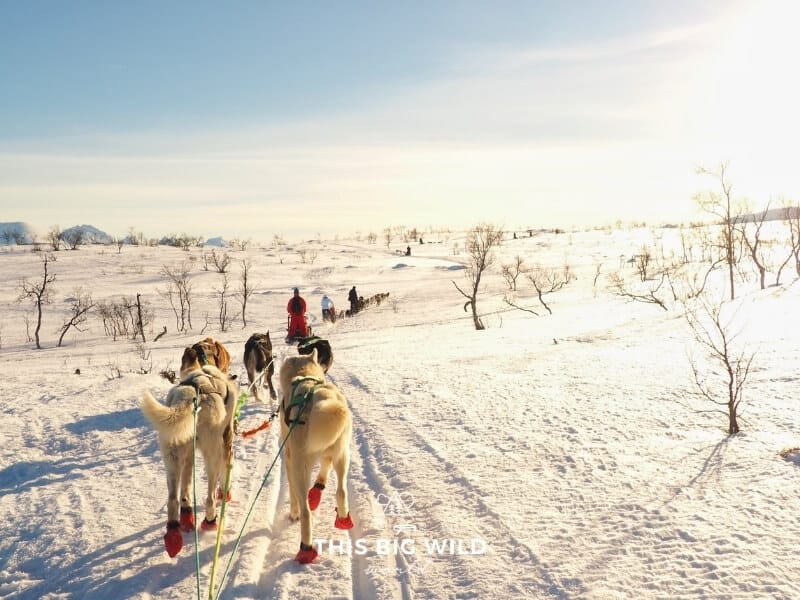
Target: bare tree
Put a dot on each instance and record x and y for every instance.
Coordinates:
(388, 236)
(752, 242)
(246, 288)
(54, 237)
(648, 293)
(546, 280)
(642, 262)
(220, 261)
(721, 207)
(223, 316)
(713, 332)
(481, 240)
(80, 305)
(179, 294)
(39, 292)
(791, 214)
(598, 267)
(307, 255)
(74, 237)
(511, 272)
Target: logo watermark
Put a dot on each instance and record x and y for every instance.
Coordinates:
(408, 540)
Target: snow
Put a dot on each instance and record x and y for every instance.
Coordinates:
(558, 456)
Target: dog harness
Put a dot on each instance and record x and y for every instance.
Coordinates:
(204, 387)
(202, 358)
(299, 399)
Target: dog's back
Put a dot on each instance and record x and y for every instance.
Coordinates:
(257, 360)
(173, 420)
(326, 417)
(213, 353)
(323, 348)
(258, 351)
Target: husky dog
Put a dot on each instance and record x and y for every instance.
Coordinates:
(258, 362)
(323, 348)
(174, 423)
(211, 352)
(316, 427)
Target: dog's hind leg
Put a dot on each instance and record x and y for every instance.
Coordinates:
(298, 477)
(315, 493)
(187, 507)
(342, 465)
(272, 393)
(213, 473)
(294, 505)
(173, 539)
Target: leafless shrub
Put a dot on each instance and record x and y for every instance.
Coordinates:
(246, 288)
(714, 334)
(648, 292)
(224, 318)
(74, 237)
(512, 271)
(480, 243)
(179, 294)
(39, 292)
(121, 317)
(751, 236)
(307, 255)
(642, 262)
(220, 261)
(547, 280)
(81, 304)
(726, 213)
(54, 238)
(114, 372)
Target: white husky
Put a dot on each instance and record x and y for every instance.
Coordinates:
(317, 426)
(174, 422)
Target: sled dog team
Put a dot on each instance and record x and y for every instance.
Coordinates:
(316, 428)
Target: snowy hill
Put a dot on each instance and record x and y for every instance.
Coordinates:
(564, 455)
(16, 233)
(88, 234)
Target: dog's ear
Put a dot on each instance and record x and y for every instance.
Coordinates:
(314, 356)
(189, 356)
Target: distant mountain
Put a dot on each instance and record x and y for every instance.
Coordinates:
(219, 242)
(773, 214)
(16, 233)
(90, 234)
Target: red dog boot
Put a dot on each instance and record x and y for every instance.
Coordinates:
(219, 495)
(306, 554)
(343, 522)
(173, 539)
(207, 525)
(187, 518)
(315, 495)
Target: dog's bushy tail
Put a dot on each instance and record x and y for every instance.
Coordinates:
(174, 423)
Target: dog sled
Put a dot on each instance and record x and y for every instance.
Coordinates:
(297, 328)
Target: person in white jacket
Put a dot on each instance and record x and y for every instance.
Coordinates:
(328, 310)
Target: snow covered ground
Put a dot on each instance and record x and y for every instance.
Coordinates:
(558, 456)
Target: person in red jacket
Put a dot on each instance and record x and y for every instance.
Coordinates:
(297, 316)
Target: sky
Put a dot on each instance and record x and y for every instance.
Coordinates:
(251, 119)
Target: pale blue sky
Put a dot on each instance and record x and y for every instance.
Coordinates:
(254, 118)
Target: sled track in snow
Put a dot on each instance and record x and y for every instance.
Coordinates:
(383, 470)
